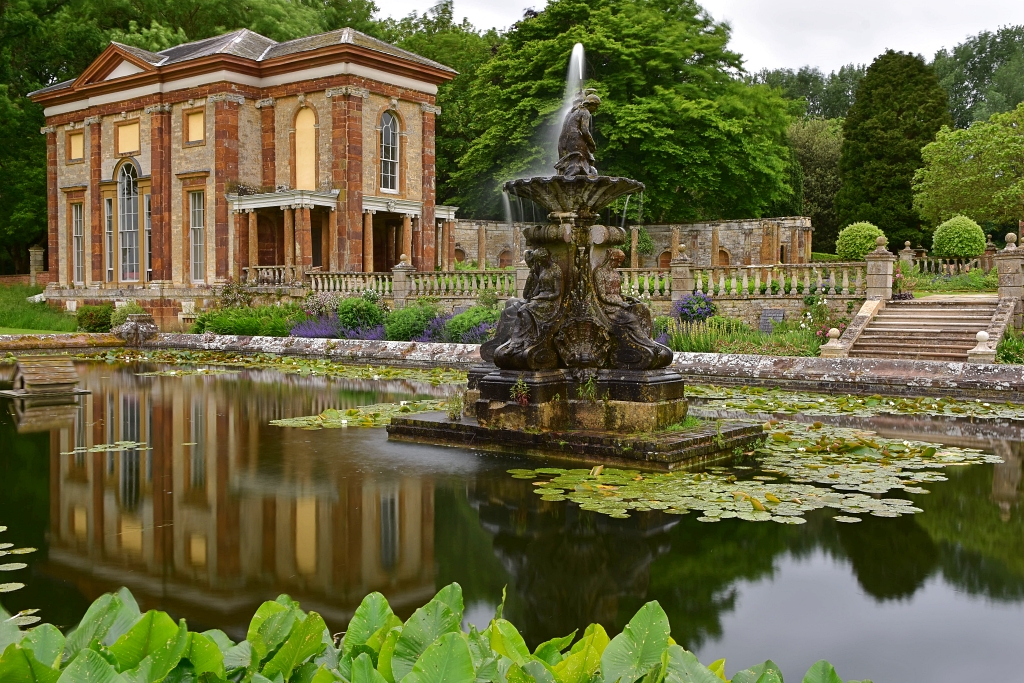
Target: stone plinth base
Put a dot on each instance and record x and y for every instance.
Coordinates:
(661, 450)
(621, 401)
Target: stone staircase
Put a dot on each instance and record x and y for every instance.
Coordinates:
(942, 329)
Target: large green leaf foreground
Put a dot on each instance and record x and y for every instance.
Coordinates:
(116, 643)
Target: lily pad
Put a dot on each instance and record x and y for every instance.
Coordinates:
(846, 520)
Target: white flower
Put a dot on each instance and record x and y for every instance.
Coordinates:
(985, 404)
(801, 449)
(821, 400)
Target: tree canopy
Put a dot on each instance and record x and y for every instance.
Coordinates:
(898, 110)
(983, 75)
(674, 113)
(817, 144)
(976, 171)
(828, 97)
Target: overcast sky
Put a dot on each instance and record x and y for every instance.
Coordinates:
(792, 33)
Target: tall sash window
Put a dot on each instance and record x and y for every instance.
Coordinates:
(128, 222)
(389, 152)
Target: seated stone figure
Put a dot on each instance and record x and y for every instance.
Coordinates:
(507, 321)
(628, 320)
(530, 345)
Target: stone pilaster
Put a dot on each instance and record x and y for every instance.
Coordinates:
(52, 238)
(1008, 264)
(425, 248)
(225, 114)
(401, 283)
(682, 274)
(879, 277)
(95, 232)
(907, 256)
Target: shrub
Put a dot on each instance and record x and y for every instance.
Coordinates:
(819, 257)
(120, 315)
(694, 308)
(318, 304)
(409, 322)
(727, 335)
(264, 321)
(17, 313)
(321, 327)
(959, 237)
(94, 318)
(358, 312)
(459, 327)
(856, 240)
(436, 330)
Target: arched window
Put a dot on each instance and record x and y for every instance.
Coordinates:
(723, 257)
(665, 260)
(460, 255)
(505, 258)
(128, 221)
(389, 152)
(305, 149)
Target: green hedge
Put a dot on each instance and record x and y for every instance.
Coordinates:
(856, 240)
(94, 318)
(472, 317)
(959, 237)
(264, 321)
(115, 641)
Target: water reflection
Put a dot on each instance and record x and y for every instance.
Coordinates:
(210, 511)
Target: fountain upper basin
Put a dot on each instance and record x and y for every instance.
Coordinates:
(581, 194)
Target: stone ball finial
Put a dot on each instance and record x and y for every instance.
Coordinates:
(880, 241)
(906, 245)
(982, 337)
(833, 333)
(1011, 241)
(404, 259)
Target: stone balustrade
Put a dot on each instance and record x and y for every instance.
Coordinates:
(462, 284)
(783, 280)
(271, 276)
(653, 283)
(351, 283)
(946, 266)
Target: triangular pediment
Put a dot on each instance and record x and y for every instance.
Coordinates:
(117, 61)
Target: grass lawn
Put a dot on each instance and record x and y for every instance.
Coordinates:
(15, 330)
(18, 314)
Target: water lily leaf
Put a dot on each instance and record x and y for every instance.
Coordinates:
(846, 520)
(426, 625)
(682, 666)
(149, 634)
(447, 660)
(12, 566)
(637, 650)
(106, 620)
(822, 672)
(304, 641)
(371, 615)
(90, 666)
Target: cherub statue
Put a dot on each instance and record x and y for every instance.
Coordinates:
(576, 143)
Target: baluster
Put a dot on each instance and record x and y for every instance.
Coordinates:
(746, 284)
(846, 280)
(699, 285)
(768, 282)
(832, 281)
(757, 281)
(721, 281)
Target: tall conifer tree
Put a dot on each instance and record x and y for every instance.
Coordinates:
(899, 108)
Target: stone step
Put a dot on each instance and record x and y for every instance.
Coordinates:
(934, 314)
(915, 339)
(908, 355)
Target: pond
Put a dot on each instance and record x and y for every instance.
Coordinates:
(206, 510)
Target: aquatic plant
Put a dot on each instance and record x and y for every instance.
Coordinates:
(22, 618)
(774, 401)
(116, 641)
(455, 404)
(826, 467)
(376, 415)
(193, 360)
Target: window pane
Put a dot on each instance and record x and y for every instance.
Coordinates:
(109, 238)
(148, 246)
(388, 152)
(197, 235)
(78, 242)
(128, 222)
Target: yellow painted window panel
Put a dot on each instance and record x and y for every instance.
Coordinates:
(197, 549)
(76, 144)
(305, 150)
(196, 126)
(305, 535)
(128, 138)
(131, 534)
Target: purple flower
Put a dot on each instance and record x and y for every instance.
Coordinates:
(325, 326)
(436, 330)
(479, 334)
(695, 307)
(375, 333)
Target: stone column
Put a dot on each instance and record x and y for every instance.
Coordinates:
(1011, 278)
(443, 246)
(808, 246)
(674, 248)
(522, 272)
(906, 256)
(367, 241)
(392, 245)
(747, 241)
(35, 264)
(94, 235)
(254, 244)
(481, 247)
(793, 253)
(327, 241)
(682, 275)
(450, 246)
(407, 242)
(714, 246)
(289, 237)
(879, 279)
(303, 240)
(987, 263)
(634, 242)
(401, 282)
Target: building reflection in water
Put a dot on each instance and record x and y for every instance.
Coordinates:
(209, 510)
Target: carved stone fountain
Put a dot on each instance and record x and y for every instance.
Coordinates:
(573, 369)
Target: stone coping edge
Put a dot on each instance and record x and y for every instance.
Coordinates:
(828, 375)
(856, 375)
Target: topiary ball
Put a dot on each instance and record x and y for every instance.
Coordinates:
(959, 237)
(856, 240)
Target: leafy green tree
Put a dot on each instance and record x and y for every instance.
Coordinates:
(977, 171)
(828, 97)
(983, 75)
(817, 144)
(959, 237)
(899, 109)
(706, 144)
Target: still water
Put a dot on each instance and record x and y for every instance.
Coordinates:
(216, 511)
